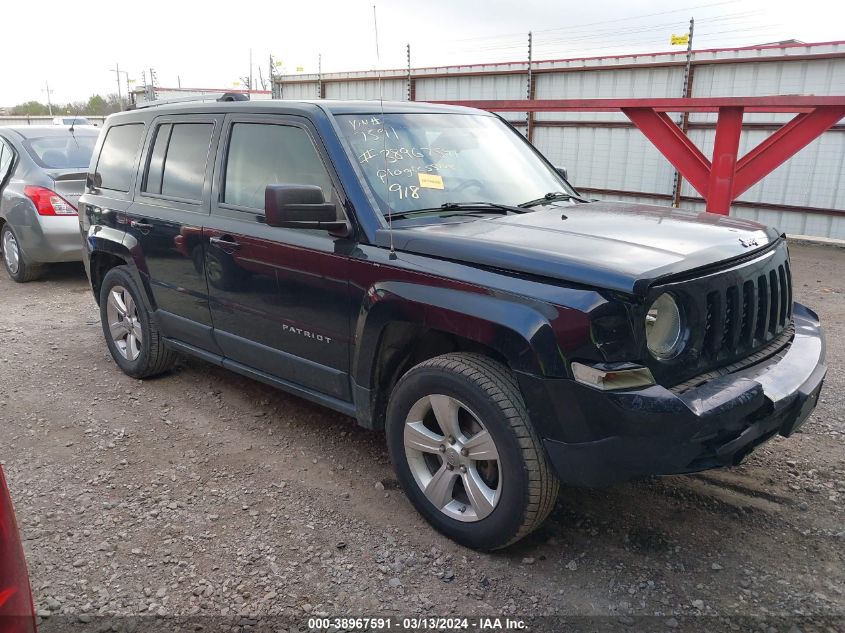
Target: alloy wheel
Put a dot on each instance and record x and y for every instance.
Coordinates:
(453, 458)
(11, 252)
(124, 324)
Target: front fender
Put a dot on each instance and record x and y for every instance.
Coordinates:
(516, 327)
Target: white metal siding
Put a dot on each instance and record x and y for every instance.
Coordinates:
(301, 91)
(495, 87)
(391, 90)
(606, 84)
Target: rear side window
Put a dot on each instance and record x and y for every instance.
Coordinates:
(263, 154)
(6, 157)
(178, 160)
(116, 164)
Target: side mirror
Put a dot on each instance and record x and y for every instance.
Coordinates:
(562, 171)
(301, 207)
(93, 182)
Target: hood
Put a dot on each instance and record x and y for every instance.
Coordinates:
(613, 245)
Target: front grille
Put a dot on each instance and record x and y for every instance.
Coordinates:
(746, 314)
(731, 314)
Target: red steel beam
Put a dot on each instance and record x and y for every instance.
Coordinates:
(782, 103)
(673, 144)
(723, 166)
(726, 177)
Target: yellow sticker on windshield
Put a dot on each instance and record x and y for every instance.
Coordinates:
(431, 181)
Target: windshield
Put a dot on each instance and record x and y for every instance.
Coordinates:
(422, 161)
(80, 120)
(62, 152)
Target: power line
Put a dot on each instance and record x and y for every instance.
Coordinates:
(581, 26)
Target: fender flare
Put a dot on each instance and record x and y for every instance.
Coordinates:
(516, 327)
(111, 242)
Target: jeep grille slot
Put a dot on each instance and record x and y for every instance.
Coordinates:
(743, 316)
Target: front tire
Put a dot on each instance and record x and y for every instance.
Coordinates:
(20, 269)
(131, 334)
(465, 452)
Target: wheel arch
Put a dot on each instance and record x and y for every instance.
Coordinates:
(402, 324)
(108, 254)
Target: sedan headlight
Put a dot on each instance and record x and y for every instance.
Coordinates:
(664, 327)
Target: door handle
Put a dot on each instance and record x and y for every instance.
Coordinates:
(223, 244)
(143, 226)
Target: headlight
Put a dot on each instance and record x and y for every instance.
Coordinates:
(663, 327)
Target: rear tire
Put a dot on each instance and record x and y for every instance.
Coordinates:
(20, 269)
(497, 484)
(132, 336)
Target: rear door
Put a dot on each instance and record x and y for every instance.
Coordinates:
(279, 297)
(165, 223)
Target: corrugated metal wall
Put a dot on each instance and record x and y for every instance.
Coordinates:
(609, 158)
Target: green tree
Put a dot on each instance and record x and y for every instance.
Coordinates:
(96, 106)
(30, 108)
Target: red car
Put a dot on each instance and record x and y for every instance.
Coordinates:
(17, 614)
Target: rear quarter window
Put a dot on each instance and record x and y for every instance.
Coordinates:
(119, 156)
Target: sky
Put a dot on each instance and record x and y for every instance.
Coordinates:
(207, 44)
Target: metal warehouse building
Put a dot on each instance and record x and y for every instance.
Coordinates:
(608, 157)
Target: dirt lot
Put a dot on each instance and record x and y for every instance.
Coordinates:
(204, 493)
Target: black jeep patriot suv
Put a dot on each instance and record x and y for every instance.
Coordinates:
(426, 271)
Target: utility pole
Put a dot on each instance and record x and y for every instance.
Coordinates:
(250, 69)
(320, 76)
(49, 101)
(684, 122)
(410, 85)
(151, 88)
(117, 76)
(274, 93)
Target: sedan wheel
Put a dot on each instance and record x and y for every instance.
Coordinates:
(14, 258)
(11, 252)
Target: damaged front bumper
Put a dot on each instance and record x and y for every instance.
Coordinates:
(653, 431)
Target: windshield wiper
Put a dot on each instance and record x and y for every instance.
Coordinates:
(460, 208)
(554, 196)
(480, 206)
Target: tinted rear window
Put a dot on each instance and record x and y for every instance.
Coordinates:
(118, 156)
(178, 160)
(72, 151)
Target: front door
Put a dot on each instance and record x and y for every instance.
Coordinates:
(279, 297)
(165, 223)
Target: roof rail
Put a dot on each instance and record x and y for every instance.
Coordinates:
(211, 96)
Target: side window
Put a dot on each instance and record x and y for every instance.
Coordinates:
(116, 164)
(6, 157)
(264, 154)
(178, 160)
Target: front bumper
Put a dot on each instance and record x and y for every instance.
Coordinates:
(617, 436)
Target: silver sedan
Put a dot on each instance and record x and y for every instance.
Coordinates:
(42, 175)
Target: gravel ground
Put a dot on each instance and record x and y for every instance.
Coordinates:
(202, 493)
